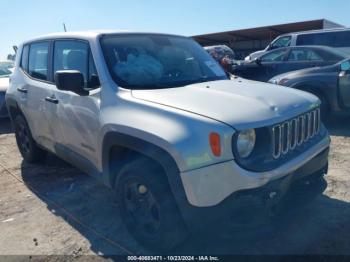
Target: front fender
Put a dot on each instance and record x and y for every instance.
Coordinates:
(184, 135)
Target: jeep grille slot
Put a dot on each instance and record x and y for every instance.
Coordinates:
(291, 134)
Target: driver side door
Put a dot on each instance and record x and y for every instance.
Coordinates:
(77, 116)
(271, 63)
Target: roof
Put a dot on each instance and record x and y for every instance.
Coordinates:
(263, 33)
(86, 34)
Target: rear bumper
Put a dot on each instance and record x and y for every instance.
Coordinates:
(251, 207)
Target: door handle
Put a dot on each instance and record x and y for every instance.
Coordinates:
(22, 90)
(51, 100)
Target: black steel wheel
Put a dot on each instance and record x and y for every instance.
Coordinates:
(142, 208)
(147, 206)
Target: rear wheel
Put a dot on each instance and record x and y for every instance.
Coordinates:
(28, 148)
(147, 206)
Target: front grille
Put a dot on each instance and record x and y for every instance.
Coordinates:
(293, 133)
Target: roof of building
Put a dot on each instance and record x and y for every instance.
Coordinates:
(263, 33)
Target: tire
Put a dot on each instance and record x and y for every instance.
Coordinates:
(28, 148)
(147, 206)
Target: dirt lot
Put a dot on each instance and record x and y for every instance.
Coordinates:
(56, 209)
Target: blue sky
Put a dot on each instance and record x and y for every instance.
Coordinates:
(21, 19)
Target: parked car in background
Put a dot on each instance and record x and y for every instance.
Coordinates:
(287, 59)
(336, 38)
(7, 64)
(224, 55)
(331, 84)
(4, 84)
(156, 119)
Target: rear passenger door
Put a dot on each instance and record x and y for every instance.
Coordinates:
(36, 87)
(77, 117)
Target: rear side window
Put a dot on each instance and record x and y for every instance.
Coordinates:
(24, 58)
(333, 39)
(38, 55)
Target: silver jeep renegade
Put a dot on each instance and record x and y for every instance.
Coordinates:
(155, 118)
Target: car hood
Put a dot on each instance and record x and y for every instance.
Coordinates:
(4, 84)
(239, 103)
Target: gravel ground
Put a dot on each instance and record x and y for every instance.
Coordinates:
(55, 209)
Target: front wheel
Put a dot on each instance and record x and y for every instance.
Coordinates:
(147, 206)
(28, 148)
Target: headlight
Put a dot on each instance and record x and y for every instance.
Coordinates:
(246, 142)
(279, 81)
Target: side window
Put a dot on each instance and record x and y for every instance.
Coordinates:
(71, 55)
(310, 39)
(341, 39)
(304, 55)
(24, 58)
(334, 39)
(274, 56)
(38, 55)
(281, 42)
(74, 55)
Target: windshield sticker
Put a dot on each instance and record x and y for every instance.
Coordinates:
(215, 68)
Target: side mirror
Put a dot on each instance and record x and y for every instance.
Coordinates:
(345, 66)
(70, 80)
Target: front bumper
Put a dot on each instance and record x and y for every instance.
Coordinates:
(251, 207)
(209, 186)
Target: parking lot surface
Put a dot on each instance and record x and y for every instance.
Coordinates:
(55, 209)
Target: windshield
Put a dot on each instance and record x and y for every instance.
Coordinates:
(149, 61)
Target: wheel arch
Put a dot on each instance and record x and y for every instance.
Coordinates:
(118, 149)
(13, 108)
(316, 88)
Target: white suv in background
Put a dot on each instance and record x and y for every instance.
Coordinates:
(336, 38)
